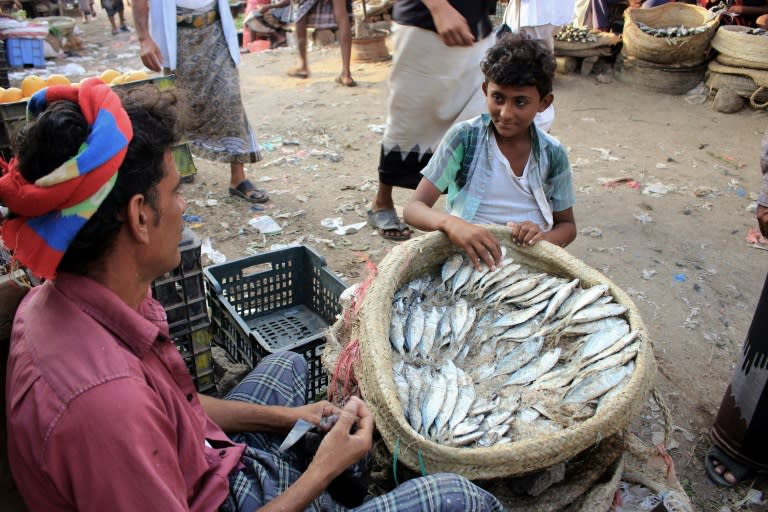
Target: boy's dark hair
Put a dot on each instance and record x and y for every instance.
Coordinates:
(56, 136)
(518, 60)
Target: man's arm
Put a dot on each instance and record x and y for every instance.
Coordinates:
(150, 53)
(451, 25)
(236, 416)
(476, 241)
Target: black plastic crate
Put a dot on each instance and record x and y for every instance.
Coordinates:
(182, 291)
(275, 301)
(195, 349)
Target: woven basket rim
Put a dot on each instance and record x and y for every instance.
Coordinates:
(733, 41)
(760, 76)
(425, 253)
(682, 50)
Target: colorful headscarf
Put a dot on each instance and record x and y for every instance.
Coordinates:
(52, 210)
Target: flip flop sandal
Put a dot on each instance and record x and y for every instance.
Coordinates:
(739, 471)
(297, 73)
(246, 190)
(339, 80)
(386, 220)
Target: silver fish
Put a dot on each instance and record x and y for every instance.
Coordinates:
(581, 300)
(449, 370)
(519, 356)
(464, 400)
(543, 286)
(518, 316)
(521, 287)
(507, 269)
(450, 267)
(557, 300)
(461, 277)
(431, 323)
(619, 345)
(598, 312)
(590, 327)
(618, 359)
(469, 425)
(467, 439)
(414, 328)
(397, 332)
(433, 400)
(595, 385)
(598, 341)
(534, 369)
(496, 418)
(492, 436)
(484, 405)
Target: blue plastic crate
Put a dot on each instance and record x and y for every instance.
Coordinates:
(20, 52)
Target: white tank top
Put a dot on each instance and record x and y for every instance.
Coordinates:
(196, 5)
(508, 197)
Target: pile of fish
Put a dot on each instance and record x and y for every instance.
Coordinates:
(681, 31)
(573, 34)
(488, 357)
(757, 32)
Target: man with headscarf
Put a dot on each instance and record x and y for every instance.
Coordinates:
(102, 411)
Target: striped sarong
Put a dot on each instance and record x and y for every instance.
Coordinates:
(281, 379)
(742, 420)
(218, 128)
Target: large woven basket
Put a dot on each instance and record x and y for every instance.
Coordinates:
(659, 78)
(684, 50)
(741, 48)
(425, 254)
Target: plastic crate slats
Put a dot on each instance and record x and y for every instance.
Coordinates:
(279, 300)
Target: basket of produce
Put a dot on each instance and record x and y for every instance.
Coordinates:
(496, 374)
(742, 46)
(673, 33)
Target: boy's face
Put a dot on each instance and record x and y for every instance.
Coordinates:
(513, 108)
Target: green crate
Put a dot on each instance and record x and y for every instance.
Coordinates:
(275, 301)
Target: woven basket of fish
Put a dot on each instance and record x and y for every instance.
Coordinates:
(571, 38)
(748, 47)
(497, 373)
(673, 33)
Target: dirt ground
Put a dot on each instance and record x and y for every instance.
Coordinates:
(679, 252)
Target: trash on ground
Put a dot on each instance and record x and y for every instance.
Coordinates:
(206, 248)
(644, 218)
(592, 232)
(732, 161)
(302, 198)
(680, 278)
(289, 215)
(657, 189)
(648, 273)
(377, 128)
(265, 225)
(704, 191)
(211, 202)
(615, 182)
(350, 228)
(191, 218)
(605, 154)
(332, 223)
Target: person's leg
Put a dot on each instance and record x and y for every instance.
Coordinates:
(278, 379)
(302, 71)
(112, 22)
(241, 187)
(345, 39)
(123, 26)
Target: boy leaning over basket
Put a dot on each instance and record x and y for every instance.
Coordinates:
(498, 168)
(102, 412)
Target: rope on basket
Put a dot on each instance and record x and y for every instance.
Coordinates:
(396, 454)
(753, 101)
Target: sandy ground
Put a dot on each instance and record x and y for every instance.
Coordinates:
(680, 253)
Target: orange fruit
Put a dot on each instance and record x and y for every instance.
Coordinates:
(118, 80)
(134, 76)
(11, 94)
(108, 75)
(31, 84)
(57, 80)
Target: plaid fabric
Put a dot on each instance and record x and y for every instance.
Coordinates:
(281, 379)
(319, 13)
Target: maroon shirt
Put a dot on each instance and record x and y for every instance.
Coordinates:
(102, 413)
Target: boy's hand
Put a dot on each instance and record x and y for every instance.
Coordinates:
(479, 243)
(525, 233)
